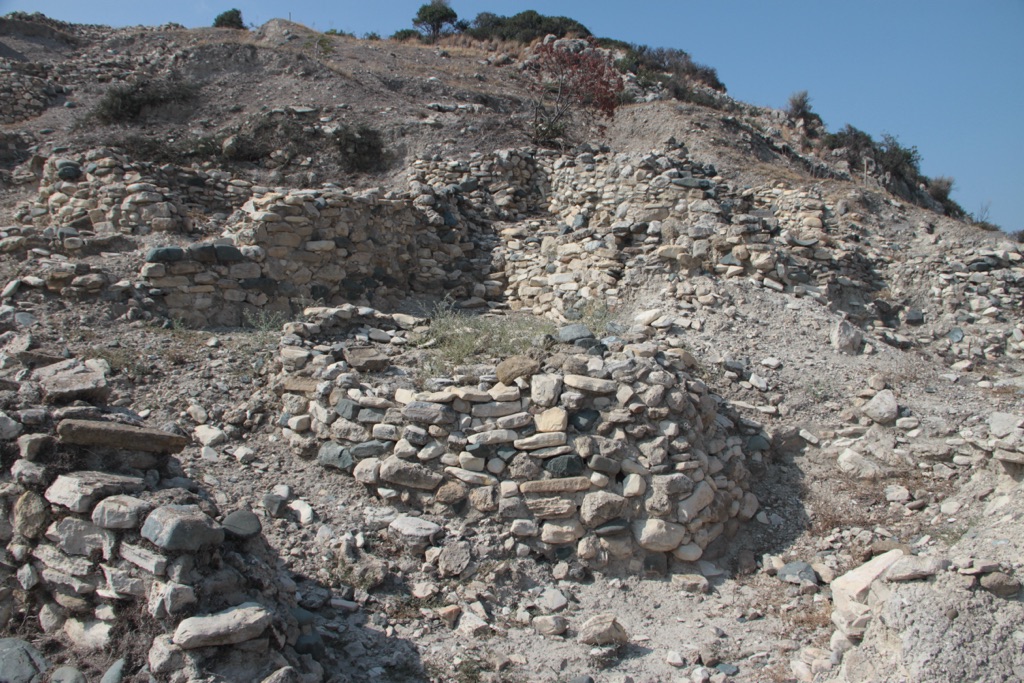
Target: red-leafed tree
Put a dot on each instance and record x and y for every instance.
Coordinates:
(574, 84)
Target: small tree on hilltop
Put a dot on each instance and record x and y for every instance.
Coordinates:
(569, 84)
(433, 17)
(230, 19)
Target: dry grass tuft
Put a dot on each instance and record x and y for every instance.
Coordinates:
(456, 337)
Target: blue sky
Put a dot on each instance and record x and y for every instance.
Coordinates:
(946, 77)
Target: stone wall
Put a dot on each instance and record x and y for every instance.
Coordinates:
(104, 536)
(314, 246)
(25, 91)
(102, 191)
(533, 230)
(506, 185)
(612, 452)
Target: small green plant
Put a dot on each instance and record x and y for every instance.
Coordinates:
(598, 316)
(321, 46)
(264, 321)
(122, 361)
(372, 35)
(336, 32)
(230, 19)
(127, 103)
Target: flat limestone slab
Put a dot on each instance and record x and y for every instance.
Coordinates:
(853, 586)
(79, 491)
(563, 485)
(114, 435)
(234, 625)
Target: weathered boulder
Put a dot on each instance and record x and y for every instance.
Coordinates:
(882, 408)
(31, 514)
(181, 527)
(600, 507)
(514, 367)
(120, 512)
(858, 465)
(78, 491)
(365, 359)
(20, 662)
(658, 535)
(846, 338)
(70, 380)
(415, 533)
(603, 629)
(404, 473)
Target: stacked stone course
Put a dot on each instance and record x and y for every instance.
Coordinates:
(616, 454)
(99, 523)
(25, 91)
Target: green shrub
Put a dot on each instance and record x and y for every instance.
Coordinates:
(901, 164)
(688, 92)
(230, 19)
(406, 34)
(372, 35)
(126, 103)
(524, 27)
(322, 45)
(859, 145)
(904, 162)
(664, 65)
(940, 189)
(336, 32)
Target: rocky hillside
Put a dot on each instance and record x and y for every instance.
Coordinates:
(314, 368)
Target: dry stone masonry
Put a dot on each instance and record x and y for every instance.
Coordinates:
(25, 90)
(554, 234)
(609, 450)
(101, 191)
(104, 534)
(279, 501)
(310, 246)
